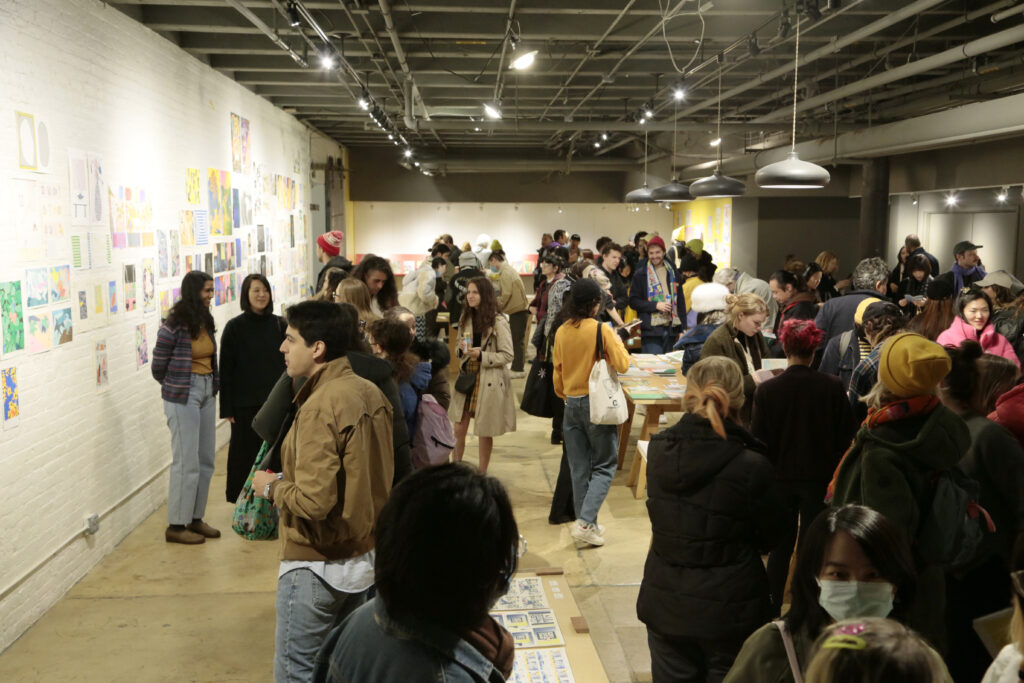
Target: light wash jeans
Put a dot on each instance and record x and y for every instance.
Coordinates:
(307, 609)
(593, 454)
(193, 447)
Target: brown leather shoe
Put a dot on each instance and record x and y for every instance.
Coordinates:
(184, 536)
(203, 529)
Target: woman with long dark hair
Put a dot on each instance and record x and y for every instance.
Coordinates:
(376, 273)
(250, 363)
(591, 449)
(938, 312)
(844, 546)
(185, 364)
(485, 350)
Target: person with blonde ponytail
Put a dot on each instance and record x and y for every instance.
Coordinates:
(714, 511)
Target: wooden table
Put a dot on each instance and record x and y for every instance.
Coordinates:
(671, 385)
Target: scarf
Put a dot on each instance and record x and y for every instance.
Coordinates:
(959, 273)
(494, 643)
(656, 293)
(891, 412)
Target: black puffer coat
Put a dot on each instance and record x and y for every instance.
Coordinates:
(714, 511)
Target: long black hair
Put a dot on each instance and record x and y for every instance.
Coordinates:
(882, 541)
(190, 311)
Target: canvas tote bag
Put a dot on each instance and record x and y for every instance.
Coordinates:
(607, 401)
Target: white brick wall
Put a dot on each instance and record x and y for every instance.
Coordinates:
(106, 84)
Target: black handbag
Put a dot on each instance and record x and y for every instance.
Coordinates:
(465, 383)
(539, 392)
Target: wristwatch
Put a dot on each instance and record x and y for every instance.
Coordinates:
(266, 490)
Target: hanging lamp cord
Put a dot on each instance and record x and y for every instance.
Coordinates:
(719, 118)
(645, 158)
(675, 129)
(796, 69)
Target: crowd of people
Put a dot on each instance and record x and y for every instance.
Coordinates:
(844, 518)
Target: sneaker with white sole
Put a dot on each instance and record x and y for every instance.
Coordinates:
(587, 533)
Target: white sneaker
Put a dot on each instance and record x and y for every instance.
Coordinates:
(586, 533)
(663, 419)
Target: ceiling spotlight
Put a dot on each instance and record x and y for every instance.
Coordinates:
(642, 121)
(326, 61)
(649, 112)
(1004, 193)
(416, 164)
(597, 145)
(785, 26)
(364, 103)
(293, 14)
(716, 142)
(678, 93)
(492, 110)
(951, 199)
(476, 129)
(913, 199)
(522, 59)
(753, 49)
(811, 10)
(604, 136)
(390, 136)
(407, 153)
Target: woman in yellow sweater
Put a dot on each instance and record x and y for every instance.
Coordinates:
(592, 450)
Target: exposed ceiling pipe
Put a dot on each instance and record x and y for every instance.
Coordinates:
(591, 51)
(499, 78)
(951, 56)
(874, 55)
(959, 125)
(595, 126)
(831, 47)
(269, 32)
(370, 52)
(519, 165)
(996, 18)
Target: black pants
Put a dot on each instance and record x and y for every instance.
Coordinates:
(985, 589)
(691, 660)
(518, 321)
(245, 444)
(803, 498)
(562, 507)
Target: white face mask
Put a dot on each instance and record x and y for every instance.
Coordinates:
(850, 599)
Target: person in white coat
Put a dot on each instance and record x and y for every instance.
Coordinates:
(419, 294)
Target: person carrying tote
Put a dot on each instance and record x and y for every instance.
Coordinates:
(485, 350)
(591, 449)
(185, 364)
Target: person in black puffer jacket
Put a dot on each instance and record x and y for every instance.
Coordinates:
(714, 511)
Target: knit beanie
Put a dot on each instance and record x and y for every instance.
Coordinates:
(495, 245)
(330, 242)
(468, 259)
(708, 297)
(912, 365)
(939, 288)
(656, 242)
(696, 246)
(584, 291)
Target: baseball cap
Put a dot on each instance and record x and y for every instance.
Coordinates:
(966, 245)
(1001, 278)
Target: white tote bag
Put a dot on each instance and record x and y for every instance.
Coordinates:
(607, 402)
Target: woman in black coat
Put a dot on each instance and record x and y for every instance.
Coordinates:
(250, 363)
(714, 512)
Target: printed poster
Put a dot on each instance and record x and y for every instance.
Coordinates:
(532, 628)
(241, 153)
(78, 186)
(162, 255)
(524, 593)
(130, 298)
(11, 402)
(97, 189)
(187, 227)
(13, 321)
(60, 284)
(547, 665)
(25, 126)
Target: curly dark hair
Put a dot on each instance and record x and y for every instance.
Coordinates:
(482, 317)
(190, 311)
(394, 339)
(388, 294)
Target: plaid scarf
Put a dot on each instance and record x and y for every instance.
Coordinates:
(891, 412)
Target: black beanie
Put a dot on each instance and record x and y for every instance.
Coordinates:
(585, 290)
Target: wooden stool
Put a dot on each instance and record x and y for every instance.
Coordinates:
(638, 470)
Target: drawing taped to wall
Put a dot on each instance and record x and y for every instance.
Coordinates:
(162, 257)
(11, 401)
(174, 253)
(62, 327)
(37, 336)
(148, 285)
(78, 186)
(60, 284)
(241, 152)
(83, 304)
(37, 287)
(141, 346)
(25, 127)
(24, 217)
(129, 288)
(13, 322)
(187, 227)
(192, 191)
(202, 223)
(97, 189)
(236, 209)
(99, 363)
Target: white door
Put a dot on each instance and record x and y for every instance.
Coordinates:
(995, 231)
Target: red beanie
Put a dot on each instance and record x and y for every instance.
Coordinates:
(330, 242)
(656, 241)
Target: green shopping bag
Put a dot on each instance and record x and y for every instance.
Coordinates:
(255, 518)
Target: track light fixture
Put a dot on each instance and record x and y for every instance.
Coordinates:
(1003, 195)
(913, 199)
(326, 61)
(951, 199)
(811, 9)
(716, 142)
(407, 153)
(293, 14)
(753, 49)
(604, 136)
(784, 25)
(492, 110)
(523, 56)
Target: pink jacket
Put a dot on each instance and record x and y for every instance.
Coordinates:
(990, 340)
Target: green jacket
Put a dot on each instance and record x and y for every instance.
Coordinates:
(763, 657)
(889, 468)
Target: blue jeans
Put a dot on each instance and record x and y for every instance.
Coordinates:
(652, 342)
(593, 454)
(307, 610)
(193, 447)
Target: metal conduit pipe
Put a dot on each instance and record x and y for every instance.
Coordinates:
(269, 32)
(591, 51)
(521, 165)
(396, 87)
(504, 47)
(975, 47)
(596, 126)
(874, 27)
(832, 73)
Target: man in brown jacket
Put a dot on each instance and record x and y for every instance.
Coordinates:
(337, 468)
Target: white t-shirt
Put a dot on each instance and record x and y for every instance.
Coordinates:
(353, 575)
(1006, 666)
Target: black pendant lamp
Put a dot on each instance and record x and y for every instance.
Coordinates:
(717, 184)
(674, 191)
(641, 195)
(792, 173)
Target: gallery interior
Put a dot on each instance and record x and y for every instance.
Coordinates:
(143, 139)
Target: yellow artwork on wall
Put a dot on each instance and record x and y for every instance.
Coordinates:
(192, 190)
(709, 220)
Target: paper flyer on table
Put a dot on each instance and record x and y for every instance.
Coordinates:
(524, 593)
(531, 628)
(550, 665)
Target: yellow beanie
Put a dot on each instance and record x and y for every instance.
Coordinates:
(858, 315)
(912, 365)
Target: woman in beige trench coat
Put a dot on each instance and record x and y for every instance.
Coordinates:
(485, 348)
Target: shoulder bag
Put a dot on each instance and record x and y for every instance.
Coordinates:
(607, 401)
(255, 518)
(787, 642)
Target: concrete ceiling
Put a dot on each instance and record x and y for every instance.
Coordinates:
(429, 65)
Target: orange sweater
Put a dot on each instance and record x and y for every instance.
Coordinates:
(575, 353)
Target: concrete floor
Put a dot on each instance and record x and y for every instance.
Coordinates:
(153, 611)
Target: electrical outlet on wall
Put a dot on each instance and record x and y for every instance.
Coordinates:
(92, 524)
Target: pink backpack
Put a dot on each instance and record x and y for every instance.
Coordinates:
(434, 438)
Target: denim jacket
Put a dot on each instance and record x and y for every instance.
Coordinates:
(370, 646)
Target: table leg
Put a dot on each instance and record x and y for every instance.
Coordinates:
(650, 427)
(624, 429)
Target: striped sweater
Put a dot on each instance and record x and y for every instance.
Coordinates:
(172, 363)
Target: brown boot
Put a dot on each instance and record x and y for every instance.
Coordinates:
(203, 529)
(183, 536)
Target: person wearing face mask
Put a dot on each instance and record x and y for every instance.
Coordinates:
(739, 339)
(907, 441)
(974, 322)
(512, 302)
(853, 562)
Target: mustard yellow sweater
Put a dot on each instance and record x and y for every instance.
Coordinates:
(575, 352)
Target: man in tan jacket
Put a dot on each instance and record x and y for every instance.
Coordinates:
(337, 468)
(512, 302)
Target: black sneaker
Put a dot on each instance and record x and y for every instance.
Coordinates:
(556, 438)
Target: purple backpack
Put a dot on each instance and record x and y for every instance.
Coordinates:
(434, 438)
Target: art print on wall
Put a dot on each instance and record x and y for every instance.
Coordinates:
(99, 362)
(236, 209)
(187, 227)
(141, 346)
(174, 253)
(37, 336)
(241, 152)
(192, 191)
(60, 284)
(25, 126)
(13, 322)
(37, 287)
(130, 299)
(11, 402)
(202, 223)
(225, 202)
(148, 285)
(78, 186)
(62, 328)
(112, 296)
(162, 256)
(97, 189)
